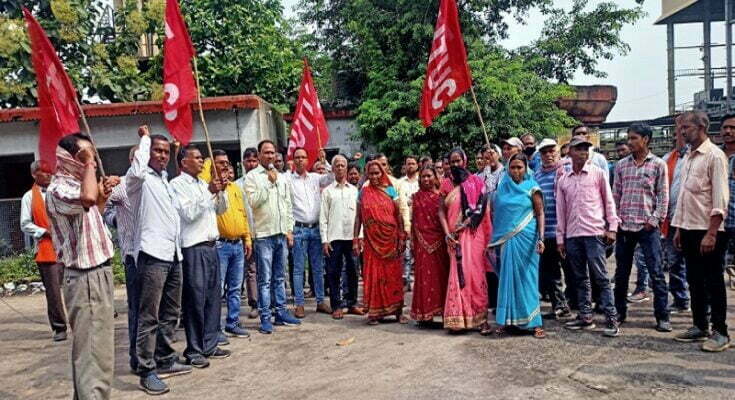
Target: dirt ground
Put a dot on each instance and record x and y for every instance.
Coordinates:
(389, 361)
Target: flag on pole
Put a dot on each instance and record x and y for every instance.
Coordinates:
(448, 74)
(308, 128)
(56, 94)
(178, 80)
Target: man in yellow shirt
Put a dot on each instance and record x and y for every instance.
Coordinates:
(234, 244)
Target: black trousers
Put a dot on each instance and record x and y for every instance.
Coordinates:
(52, 274)
(706, 280)
(201, 299)
(341, 256)
(550, 275)
(159, 290)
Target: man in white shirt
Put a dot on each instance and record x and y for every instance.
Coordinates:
(409, 185)
(198, 205)
(336, 224)
(35, 222)
(306, 201)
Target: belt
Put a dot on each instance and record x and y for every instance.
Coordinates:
(303, 225)
(208, 244)
(233, 241)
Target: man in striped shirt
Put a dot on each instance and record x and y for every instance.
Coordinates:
(83, 245)
(641, 192)
(551, 263)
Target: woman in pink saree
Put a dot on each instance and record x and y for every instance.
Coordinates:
(467, 226)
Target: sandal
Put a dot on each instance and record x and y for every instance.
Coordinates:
(486, 329)
(539, 333)
(402, 319)
(500, 331)
(373, 322)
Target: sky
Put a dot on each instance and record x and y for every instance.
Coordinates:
(640, 76)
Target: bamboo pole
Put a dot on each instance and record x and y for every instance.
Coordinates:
(479, 115)
(100, 167)
(201, 113)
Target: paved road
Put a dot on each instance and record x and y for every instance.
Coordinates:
(390, 361)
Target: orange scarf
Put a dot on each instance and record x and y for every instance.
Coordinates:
(671, 166)
(45, 253)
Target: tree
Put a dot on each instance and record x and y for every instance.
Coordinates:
(384, 45)
(243, 47)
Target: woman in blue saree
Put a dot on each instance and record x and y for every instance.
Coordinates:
(518, 221)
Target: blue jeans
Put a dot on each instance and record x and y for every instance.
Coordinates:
(677, 271)
(586, 257)
(232, 272)
(642, 282)
(307, 242)
(650, 244)
(272, 255)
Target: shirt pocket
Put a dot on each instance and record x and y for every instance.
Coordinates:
(696, 181)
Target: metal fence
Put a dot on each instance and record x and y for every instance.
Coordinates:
(11, 238)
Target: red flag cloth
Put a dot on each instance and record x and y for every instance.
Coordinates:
(56, 94)
(178, 79)
(448, 74)
(309, 128)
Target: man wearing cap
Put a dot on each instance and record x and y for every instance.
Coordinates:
(511, 147)
(551, 264)
(586, 223)
(596, 158)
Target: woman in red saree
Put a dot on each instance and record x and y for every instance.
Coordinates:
(431, 260)
(468, 229)
(385, 241)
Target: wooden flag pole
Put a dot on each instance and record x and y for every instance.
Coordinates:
(201, 114)
(479, 114)
(100, 167)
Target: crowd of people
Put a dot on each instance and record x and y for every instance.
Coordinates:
(480, 251)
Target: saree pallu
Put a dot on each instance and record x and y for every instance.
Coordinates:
(431, 260)
(466, 307)
(382, 262)
(515, 234)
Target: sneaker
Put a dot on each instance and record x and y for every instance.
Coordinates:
(692, 334)
(716, 343)
(663, 326)
(220, 353)
(285, 318)
(674, 309)
(265, 326)
(253, 313)
(198, 362)
(612, 329)
(580, 324)
(638, 297)
(222, 340)
(175, 369)
(237, 331)
(153, 385)
(59, 336)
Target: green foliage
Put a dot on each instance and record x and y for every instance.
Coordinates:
(19, 268)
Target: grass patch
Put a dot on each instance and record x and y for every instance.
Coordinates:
(22, 268)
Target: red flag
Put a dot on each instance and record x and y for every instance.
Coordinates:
(56, 95)
(178, 80)
(448, 74)
(309, 128)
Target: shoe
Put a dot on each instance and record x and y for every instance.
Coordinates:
(663, 326)
(265, 326)
(612, 329)
(674, 309)
(355, 311)
(220, 353)
(299, 312)
(323, 308)
(556, 314)
(253, 313)
(638, 297)
(198, 362)
(338, 314)
(580, 324)
(237, 331)
(716, 343)
(285, 318)
(222, 340)
(175, 369)
(692, 334)
(59, 336)
(153, 385)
